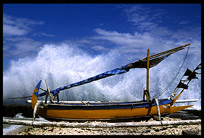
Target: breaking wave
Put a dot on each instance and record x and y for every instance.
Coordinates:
(61, 65)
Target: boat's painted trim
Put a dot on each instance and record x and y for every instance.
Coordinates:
(105, 106)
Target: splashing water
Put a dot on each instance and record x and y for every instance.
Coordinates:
(61, 65)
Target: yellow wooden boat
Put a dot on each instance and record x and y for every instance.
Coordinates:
(110, 110)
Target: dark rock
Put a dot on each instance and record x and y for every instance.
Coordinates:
(190, 132)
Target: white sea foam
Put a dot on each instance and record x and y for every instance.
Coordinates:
(9, 128)
(61, 65)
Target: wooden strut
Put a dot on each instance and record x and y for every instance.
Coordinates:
(16, 121)
(158, 109)
(48, 90)
(35, 109)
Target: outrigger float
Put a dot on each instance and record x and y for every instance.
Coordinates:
(113, 110)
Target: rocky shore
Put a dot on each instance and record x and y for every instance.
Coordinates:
(160, 130)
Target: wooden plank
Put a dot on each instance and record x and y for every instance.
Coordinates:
(98, 124)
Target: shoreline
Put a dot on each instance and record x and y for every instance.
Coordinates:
(17, 130)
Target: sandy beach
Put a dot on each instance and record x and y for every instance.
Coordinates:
(159, 130)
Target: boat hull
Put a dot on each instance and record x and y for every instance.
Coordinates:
(107, 111)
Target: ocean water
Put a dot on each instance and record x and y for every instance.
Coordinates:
(8, 128)
(61, 65)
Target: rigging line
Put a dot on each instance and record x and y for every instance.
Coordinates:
(161, 92)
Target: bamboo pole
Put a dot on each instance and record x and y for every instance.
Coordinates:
(169, 51)
(148, 51)
(147, 83)
(98, 124)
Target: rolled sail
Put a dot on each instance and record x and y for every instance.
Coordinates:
(142, 63)
(97, 77)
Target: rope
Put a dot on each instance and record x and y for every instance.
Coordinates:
(161, 92)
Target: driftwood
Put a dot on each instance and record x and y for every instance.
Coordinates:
(98, 124)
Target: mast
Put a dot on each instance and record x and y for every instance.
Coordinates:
(147, 86)
(146, 92)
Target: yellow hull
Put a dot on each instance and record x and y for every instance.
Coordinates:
(107, 114)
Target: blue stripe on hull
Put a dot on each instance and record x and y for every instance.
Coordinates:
(105, 106)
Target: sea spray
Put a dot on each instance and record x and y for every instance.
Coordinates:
(61, 65)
